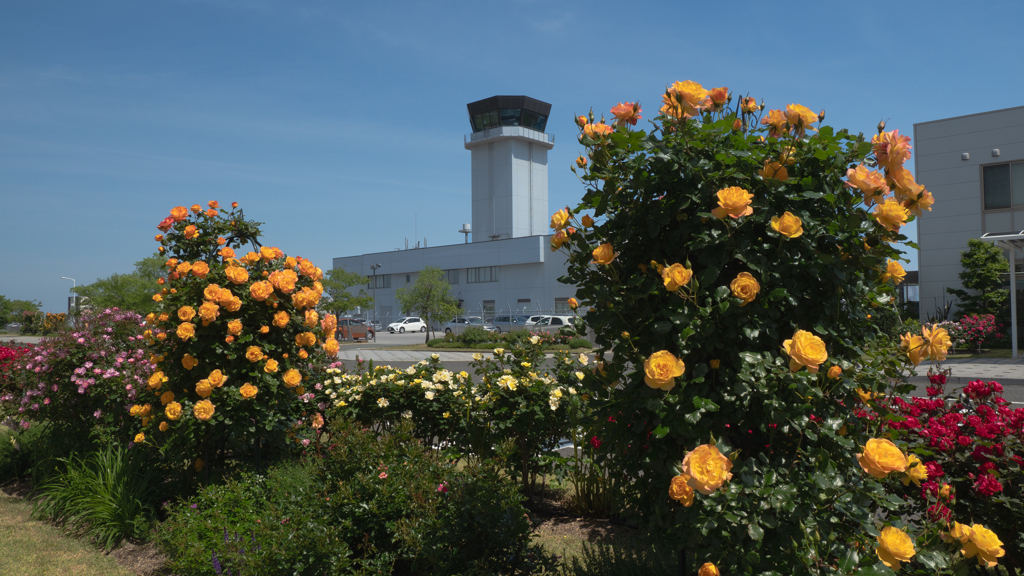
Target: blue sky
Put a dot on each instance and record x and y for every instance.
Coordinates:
(340, 124)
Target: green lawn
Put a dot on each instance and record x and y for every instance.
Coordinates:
(965, 355)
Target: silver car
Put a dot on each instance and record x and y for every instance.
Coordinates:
(459, 324)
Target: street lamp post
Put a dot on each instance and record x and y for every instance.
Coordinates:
(374, 267)
(74, 285)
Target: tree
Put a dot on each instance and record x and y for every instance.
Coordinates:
(13, 310)
(338, 299)
(132, 291)
(430, 298)
(983, 264)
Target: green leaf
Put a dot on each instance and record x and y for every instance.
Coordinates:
(876, 570)
(722, 292)
(849, 560)
(756, 532)
(660, 431)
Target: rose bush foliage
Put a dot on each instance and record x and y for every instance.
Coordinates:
(785, 227)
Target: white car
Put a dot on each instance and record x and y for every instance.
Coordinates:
(552, 323)
(408, 324)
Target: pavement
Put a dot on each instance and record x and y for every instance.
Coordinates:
(386, 350)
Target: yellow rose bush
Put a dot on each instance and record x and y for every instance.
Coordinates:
(225, 381)
(731, 259)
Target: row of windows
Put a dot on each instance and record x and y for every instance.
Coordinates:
(473, 276)
(1003, 185)
(509, 117)
(482, 274)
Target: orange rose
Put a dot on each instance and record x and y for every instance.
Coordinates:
(292, 378)
(234, 304)
(330, 346)
(189, 362)
(261, 290)
(560, 219)
(773, 170)
(190, 231)
(788, 225)
(203, 410)
(253, 354)
(186, 330)
(217, 378)
(312, 318)
(179, 213)
(204, 388)
(893, 271)
(776, 122)
(200, 269)
(891, 214)
(733, 202)
(805, 349)
(284, 280)
(248, 391)
(597, 131)
(183, 268)
(604, 254)
(173, 411)
(281, 319)
(209, 312)
(891, 150)
(558, 240)
(680, 491)
(226, 253)
(306, 268)
(834, 372)
(718, 98)
(186, 313)
(745, 287)
(880, 457)
(800, 118)
(627, 113)
(305, 339)
(661, 370)
(235, 327)
(748, 105)
(871, 184)
(676, 276)
(271, 366)
(707, 468)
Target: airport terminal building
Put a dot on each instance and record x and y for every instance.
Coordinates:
(974, 165)
(506, 264)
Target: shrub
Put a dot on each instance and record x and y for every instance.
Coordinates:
(82, 381)
(730, 262)
(107, 496)
(234, 339)
(580, 343)
(373, 503)
(20, 449)
(475, 335)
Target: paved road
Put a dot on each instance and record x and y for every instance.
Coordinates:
(1008, 372)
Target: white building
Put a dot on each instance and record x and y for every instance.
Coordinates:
(974, 166)
(508, 266)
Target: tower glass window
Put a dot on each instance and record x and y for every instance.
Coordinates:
(511, 117)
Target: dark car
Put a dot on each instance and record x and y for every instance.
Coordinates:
(353, 329)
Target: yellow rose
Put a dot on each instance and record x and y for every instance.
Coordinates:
(312, 318)
(248, 390)
(661, 370)
(680, 491)
(891, 214)
(560, 219)
(186, 313)
(959, 531)
(166, 398)
(186, 330)
(292, 377)
(708, 569)
(305, 339)
(913, 346)
(871, 184)
(707, 468)
(788, 225)
(281, 319)
(235, 327)
(233, 304)
(805, 349)
(835, 372)
(894, 546)
(307, 268)
(916, 472)
(880, 457)
(676, 276)
(558, 240)
(203, 410)
(733, 202)
(261, 290)
(800, 118)
(253, 354)
(893, 271)
(604, 254)
(217, 378)
(173, 411)
(937, 342)
(284, 280)
(745, 287)
(164, 426)
(985, 544)
(271, 366)
(211, 291)
(587, 221)
(188, 362)
(715, 364)
(203, 388)
(183, 268)
(140, 438)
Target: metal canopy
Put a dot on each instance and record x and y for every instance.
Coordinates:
(1011, 242)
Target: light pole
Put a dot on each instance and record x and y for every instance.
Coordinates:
(74, 285)
(374, 267)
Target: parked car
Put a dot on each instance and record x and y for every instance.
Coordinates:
(354, 329)
(459, 324)
(508, 323)
(552, 323)
(375, 324)
(530, 321)
(407, 324)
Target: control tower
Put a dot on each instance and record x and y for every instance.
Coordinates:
(510, 167)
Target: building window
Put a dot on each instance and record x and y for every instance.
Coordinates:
(407, 276)
(1003, 185)
(488, 309)
(453, 276)
(523, 304)
(482, 274)
(562, 306)
(382, 280)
